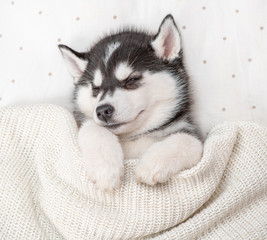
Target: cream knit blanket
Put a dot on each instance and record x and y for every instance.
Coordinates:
(44, 192)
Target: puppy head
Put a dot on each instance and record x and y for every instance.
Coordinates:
(129, 82)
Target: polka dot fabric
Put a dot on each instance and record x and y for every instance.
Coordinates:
(224, 42)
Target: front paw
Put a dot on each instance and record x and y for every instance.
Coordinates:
(165, 159)
(152, 170)
(102, 156)
(106, 177)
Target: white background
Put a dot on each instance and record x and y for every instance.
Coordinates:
(225, 49)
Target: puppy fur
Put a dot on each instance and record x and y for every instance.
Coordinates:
(132, 99)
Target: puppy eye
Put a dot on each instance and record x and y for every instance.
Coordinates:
(96, 90)
(132, 83)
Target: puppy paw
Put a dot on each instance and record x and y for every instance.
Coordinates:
(152, 170)
(106, 177)
(164, 159)
(102, 156)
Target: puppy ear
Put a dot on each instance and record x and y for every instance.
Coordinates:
(167, 41)
(76, 62)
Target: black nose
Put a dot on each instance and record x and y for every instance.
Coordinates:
(104, 112)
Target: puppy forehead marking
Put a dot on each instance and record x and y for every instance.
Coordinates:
(110, 49)
(98, 78)
(122, 71)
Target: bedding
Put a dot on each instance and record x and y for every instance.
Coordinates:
(45, 194)
(224, 43)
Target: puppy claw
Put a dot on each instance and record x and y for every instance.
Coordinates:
(155, 179)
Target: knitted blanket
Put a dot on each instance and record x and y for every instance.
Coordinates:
(45, 194)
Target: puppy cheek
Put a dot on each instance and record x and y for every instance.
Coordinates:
(86, 102)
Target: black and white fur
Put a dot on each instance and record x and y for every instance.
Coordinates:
(132, 98)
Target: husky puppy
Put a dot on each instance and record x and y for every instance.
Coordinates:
(132, 99)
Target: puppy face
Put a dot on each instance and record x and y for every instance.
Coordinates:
(129, 82)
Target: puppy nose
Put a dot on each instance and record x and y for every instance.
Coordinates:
(104, 112)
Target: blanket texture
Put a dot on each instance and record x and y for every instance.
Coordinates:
(45, 194)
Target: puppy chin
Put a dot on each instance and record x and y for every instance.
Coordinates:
(116, 128)
(120, 129)
(123, 127)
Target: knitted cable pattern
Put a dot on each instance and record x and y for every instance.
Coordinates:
(45, 194)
